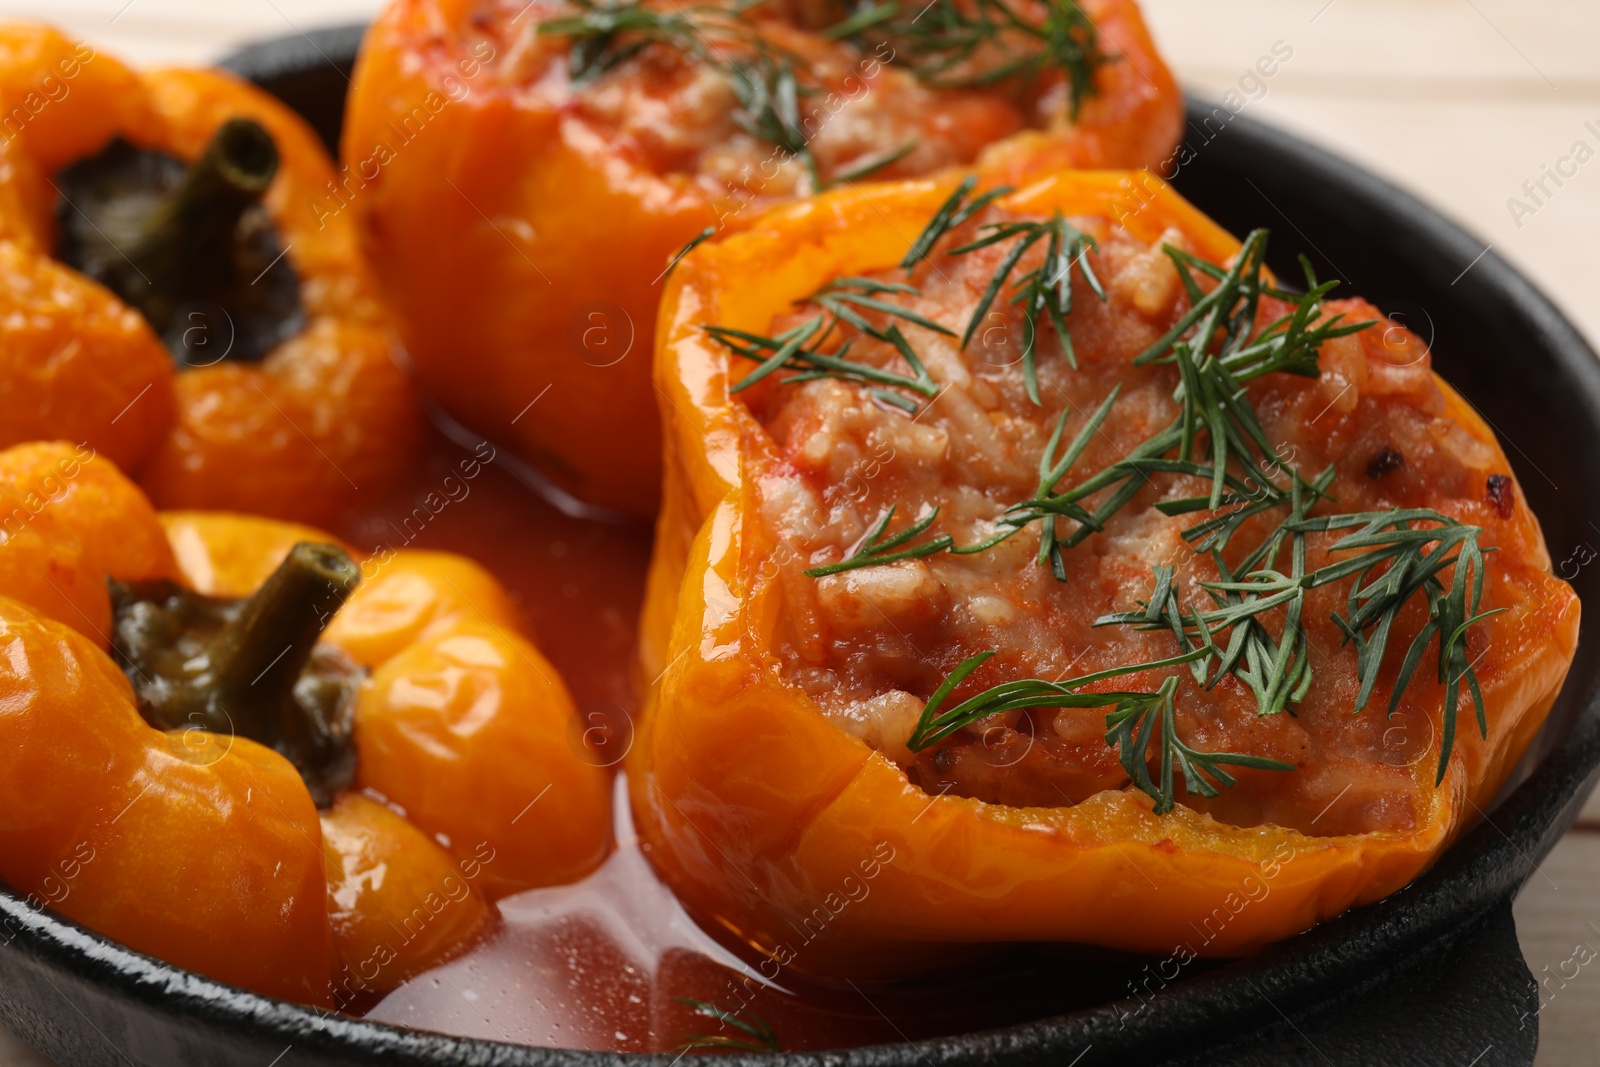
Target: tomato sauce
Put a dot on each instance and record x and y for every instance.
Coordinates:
(608, 963)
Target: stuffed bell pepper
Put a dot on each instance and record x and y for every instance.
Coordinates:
(169, 300)
(1041, 557)
(229, 744)
(524, 172)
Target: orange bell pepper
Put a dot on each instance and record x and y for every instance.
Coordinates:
(177, 814)
(815, 849)
(521, 218)
(286, 365)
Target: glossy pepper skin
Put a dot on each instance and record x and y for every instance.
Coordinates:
(769, 819)
(328, 410)
(524, 250)
(206, 849)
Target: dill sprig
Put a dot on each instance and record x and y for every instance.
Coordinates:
(769, 91)
(1215, 347)
(938, 722)
(1393, 537)
(940, 42)
(846, 297)
(799, 348)
(876, 163)
(1135, 720)
(1400, 554)
(1046, 288)
(1129, 729)
(1052, 469)
(1254, 631)
(951, 214)
(689, 246)
(1216, 431)
(1276, 668)
(759, 1035)
(875, 549)
(1217, 352)
(765, 81)
(604, 36)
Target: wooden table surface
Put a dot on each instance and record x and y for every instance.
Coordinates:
(1461, 101)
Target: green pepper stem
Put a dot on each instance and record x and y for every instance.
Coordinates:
(254, 662)
(189, 237)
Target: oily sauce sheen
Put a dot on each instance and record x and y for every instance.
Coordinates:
(606, 963)
(600, 964)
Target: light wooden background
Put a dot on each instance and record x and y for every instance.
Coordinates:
(1460, 100)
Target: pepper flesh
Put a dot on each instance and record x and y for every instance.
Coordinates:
(523, 240)
(205, 848)
(387, 878)
(327, 411)
(453, 684)
(97, 809)
(763, 814)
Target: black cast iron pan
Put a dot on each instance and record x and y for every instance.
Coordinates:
(1432, 975)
